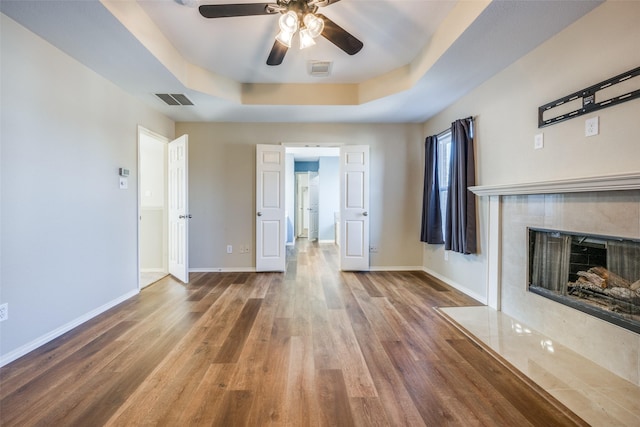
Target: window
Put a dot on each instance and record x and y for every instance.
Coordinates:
(444, 164)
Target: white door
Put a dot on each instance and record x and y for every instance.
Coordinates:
(270, 208)
(179, 208)
(354, 208)
(314, 209)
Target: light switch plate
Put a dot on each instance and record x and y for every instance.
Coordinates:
(591, 126)
(124, 183)
(538, 141)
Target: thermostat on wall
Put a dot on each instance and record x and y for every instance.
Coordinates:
(123, 172)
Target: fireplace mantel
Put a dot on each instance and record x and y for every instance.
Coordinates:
(627, 181)
(494, 193)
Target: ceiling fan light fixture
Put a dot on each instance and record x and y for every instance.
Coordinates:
(314, 24)
(289, 22)
(285, 37)
(306, 39)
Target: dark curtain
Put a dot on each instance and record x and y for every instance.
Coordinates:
(431, 217)
(460, 222)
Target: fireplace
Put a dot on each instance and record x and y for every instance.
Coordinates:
(598, 275)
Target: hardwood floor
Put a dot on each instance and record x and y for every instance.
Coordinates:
(313, 346)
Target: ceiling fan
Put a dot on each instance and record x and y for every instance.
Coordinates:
(296, 16)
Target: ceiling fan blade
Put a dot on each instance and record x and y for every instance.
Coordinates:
(230, 10)
(339, 36)
(323, 3)
(278, 51)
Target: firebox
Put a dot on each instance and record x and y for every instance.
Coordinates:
(598, 275)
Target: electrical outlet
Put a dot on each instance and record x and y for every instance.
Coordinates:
(591, 126)
(538, 141)
(373, 249)
(4, 311)
(229, 249)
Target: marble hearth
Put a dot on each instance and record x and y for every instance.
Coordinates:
(608, 206)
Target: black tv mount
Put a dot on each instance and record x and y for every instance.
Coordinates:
(588, 96)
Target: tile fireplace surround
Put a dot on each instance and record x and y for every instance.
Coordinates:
(608, 205)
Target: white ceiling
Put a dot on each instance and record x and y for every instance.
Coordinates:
(394, 33)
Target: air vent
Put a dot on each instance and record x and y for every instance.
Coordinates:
(174, 98)
(320, 68)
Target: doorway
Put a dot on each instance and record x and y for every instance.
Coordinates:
(276, 207)
(152, 207)
(312, 193)
(302, 205)
(307, 205)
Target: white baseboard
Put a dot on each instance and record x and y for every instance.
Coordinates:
(21, 351)
(323, 242)
(394, 268)
(153, 270)
(223, 270)
(464, 290)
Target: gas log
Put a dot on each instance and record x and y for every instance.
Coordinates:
(601, 280)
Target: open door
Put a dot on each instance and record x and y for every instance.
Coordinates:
(178, 160)
(354, 208)
(314, 206)
(270, 208)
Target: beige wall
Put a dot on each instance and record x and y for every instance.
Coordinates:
(600, 45)
(222, 186)
(69, 234)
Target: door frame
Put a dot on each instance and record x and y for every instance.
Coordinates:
(299, 205)
(304, 146)
(163, 140)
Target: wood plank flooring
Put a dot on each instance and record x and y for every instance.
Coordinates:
(311, 347)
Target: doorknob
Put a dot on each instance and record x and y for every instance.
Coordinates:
(259, 213)
(365, 213)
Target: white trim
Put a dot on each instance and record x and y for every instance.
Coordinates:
(395, 268)
(327, 242)
(312, 144)
(223, 270)
(625, 181)
(153, 270)
(253, 269)
(464, 290)
(494, 254)
(22, 350)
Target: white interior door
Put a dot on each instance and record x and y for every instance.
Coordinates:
(270, 208)
(354, 208)
(314, 209)
(178, 208)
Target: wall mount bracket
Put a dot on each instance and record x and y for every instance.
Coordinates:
(588, 96)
